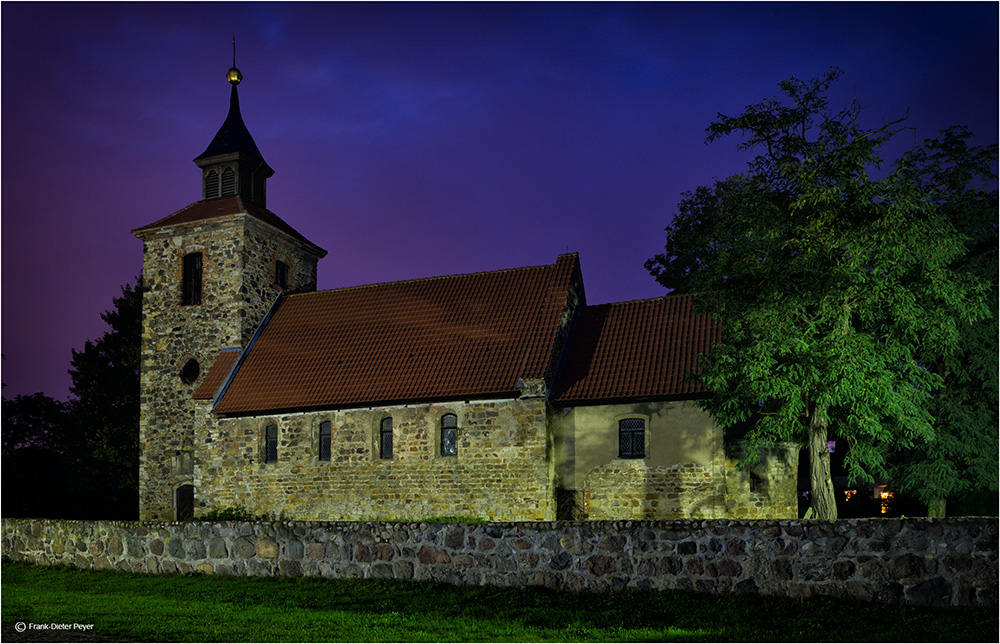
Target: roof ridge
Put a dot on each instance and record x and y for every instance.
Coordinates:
(665, 296)
(425, 279)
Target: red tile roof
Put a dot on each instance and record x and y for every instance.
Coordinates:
(220, 369)
(635, 350)
(440, 338)
(225, 207)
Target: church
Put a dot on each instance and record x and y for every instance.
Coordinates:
(497, 395)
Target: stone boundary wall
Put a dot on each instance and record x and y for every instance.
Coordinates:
(935, 562)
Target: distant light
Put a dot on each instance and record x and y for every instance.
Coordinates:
(234, 76)
(831, 446)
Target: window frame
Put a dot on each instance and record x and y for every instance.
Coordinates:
(271, 443)
(632, 432)
(325, 440)
(445, 431)
(192, 278)
(383, 431)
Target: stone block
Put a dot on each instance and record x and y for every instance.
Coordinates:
(599, 565)
(267, 549)
(426, 555)
(217, 548)
(175, 548)
(246, 547)
(294, 549)
(289, 568)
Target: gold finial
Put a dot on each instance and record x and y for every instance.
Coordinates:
(233, 75)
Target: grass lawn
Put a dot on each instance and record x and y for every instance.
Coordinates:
(226, 609)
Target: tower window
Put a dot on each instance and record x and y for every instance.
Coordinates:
(449, 435)
(211, 184)
(271, 444)
(385, 438)
(228, 182)
(191, 281)
(631, 438)
(324, 440)
(281, 274)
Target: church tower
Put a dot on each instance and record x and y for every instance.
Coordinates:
(211, 271)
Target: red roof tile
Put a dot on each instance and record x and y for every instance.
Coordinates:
(225, 207)
(638, 349)
(451, 337)
(220, 369)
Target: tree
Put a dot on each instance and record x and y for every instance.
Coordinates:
(41, 458)
(104, 406)
(831, 286)
(961, 457)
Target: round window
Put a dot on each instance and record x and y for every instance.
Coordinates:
(190, 371)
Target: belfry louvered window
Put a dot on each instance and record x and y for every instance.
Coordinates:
(632, 438)
(385, 438)
(211, 184)
(449, 435)
(271, 444)
(191, 280)
(324, 440)
(228, 182)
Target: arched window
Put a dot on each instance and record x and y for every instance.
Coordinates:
(271, 444)
(324, 440)
(191, 280)
(211, 184)
(228, 182)
(449, 435)
(632, 438)
(385, 438)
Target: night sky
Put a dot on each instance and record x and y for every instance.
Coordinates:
(413, 140)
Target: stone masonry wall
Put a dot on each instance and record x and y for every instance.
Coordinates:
(766, 490)
(502, 470)
(629, 489)
(935, 562)
(238, 256)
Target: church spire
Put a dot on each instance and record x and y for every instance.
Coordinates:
(232, 164)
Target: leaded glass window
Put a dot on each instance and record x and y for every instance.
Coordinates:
(632, 438)
(324, 440)
(449, 435)
(385, 438)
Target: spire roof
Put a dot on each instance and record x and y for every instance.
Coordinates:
(233, 137)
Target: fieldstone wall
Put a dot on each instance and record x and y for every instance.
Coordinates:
(502, 471)
(238, 263)
(934, 562)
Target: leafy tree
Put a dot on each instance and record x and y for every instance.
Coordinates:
(104, 406)
(962, 456)
(34, 420)
(41, 458)
(831, 286)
